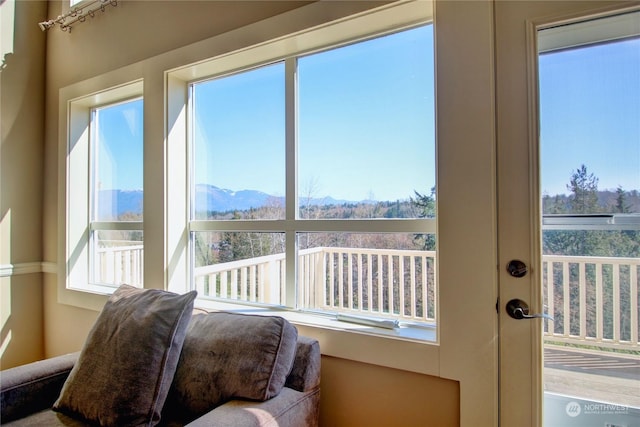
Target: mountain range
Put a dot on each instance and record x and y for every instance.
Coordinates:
(114, 203)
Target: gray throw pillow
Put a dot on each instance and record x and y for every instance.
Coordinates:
(230, 355)
(126, 366)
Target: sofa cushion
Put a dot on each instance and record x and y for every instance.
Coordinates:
(230, 355)
(126, 366)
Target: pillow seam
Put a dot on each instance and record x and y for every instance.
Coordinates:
(275, 359)
(165, 359)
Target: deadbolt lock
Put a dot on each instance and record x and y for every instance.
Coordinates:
(517, 268)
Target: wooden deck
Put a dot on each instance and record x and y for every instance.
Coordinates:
(593, 375)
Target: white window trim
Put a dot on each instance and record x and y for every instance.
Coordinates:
(593, 31)
(75, 122)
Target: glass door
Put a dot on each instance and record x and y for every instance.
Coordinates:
(568, 162)
(589, 92)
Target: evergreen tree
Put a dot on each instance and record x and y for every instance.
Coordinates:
(427, 209)
(425, 203)
(621, 201)
(584, 192)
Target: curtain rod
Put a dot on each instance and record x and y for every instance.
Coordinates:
(77, 14)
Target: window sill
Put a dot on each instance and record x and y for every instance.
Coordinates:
(410, 348)
(89, 298)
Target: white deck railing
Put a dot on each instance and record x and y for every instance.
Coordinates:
(120, 264)
(259, 279)
(334, 279)
(397, 284)
(594, 300)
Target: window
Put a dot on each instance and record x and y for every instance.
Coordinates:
(116, 232)
(590, 179)
(104, 190)
(312, 181)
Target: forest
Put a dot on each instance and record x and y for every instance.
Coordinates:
(583, 198)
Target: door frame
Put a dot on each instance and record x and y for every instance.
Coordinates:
(518, 192)
(467, 257)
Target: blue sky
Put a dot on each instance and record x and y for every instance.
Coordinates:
(365, 123)
(240, 131)
(590, 114)
(120, 150)
(366, 118)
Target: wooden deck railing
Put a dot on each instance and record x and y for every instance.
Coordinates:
(594, 300)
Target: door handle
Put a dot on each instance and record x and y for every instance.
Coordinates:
(519, 309)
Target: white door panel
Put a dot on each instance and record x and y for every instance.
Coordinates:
(519, 195)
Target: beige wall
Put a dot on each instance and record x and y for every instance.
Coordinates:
(353, 393)
(22, 78)
(21, 316)
(360, 394)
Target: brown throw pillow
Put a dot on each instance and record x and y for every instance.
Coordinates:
(231, 355)
(126, 366)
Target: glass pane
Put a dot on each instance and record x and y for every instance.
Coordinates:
(117, 144)
(590, 175)
(239, 146)
(242, 266)
(366, 127)
(378, 275)
(590, 129)
(118, 257)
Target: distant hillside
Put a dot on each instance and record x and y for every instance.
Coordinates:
(212, 198)
(609, 198)
(208, 198)
(607, 201)
(112, 204)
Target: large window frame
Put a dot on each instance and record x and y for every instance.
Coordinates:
(287, 49)
(293, 223)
